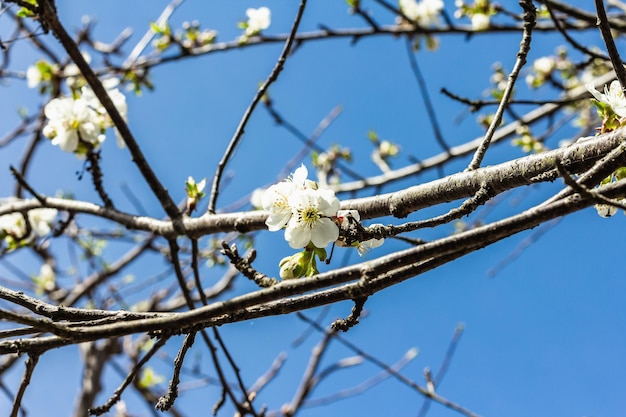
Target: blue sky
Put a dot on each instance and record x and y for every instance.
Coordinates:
(544, 337)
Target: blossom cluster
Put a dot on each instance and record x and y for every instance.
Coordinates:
(425, 13)
(612, 110)
(14, 227)
(304, 210)
(258, 20)
(311, 218)
(78, 123)
(479, 13)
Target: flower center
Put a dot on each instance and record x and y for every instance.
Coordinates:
(310, 216)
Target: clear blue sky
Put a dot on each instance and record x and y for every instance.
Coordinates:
(544, 337)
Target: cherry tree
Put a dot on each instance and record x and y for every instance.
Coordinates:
(138, 252)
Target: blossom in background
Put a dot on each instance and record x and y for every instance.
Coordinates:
(40, 220)
(118, 99)
(258, 20)
(542, 69)
(479, 13)
(72, 74)
(82, 119)
(194, 193)
(613, 96)
(425, 13)
(45, 281)
(544, 65)
(480, 21)
(13, 226)
(70, 121)
(605, 210)
(311, 218)
(256, 198)
(33, 76)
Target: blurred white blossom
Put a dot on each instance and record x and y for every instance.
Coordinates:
(258, 20)
(70, 121)
(118, 99)
(425, 13)
(311, 218)
(305, 211)
(480, 21)
(613, 96)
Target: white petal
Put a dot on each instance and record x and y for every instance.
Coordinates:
(297, 237)
(324, 232)
(66, 140)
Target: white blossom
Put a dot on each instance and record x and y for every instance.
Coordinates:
(45, 281)
(544, 65)
(256, 198)
(118, 99)
(69, 121)
(33, 76)
(258, 20)
(425, 13)
(276, 199)
(363, 247)
(613, 96)
(72, 73)
(311, 218)
(605, 210)
(40, 220)
(13, 224)
(480, 21)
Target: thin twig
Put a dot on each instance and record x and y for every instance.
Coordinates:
(458, 331)
(353, 319)
(244, 266)
(97, 411)
(145, 40)
(584, 191)
(30, 364)
(308, 379)
(167, 401)
(23, 183)
(410, 383)
(569, 38)
(530, 15)
(423, 88)
(365, 385)
(96, 174)
(605, 30)
(257, 98)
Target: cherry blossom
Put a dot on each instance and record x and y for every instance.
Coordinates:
(311, 220)
(258, 20)
(13, 226)
(70, 121)
(276, 199)
(613, 96)
(480, 21)
(118, 99)
(425, 13)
